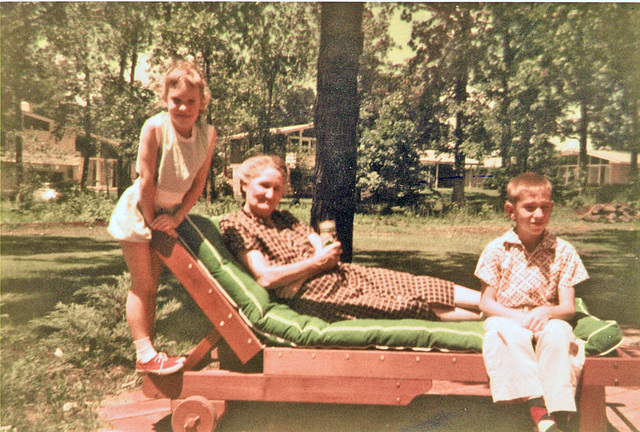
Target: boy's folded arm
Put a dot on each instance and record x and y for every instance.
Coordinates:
(490, 306)
(565, 309)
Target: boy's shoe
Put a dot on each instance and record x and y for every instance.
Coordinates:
(161, 364)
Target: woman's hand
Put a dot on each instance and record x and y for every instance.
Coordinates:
(328, 257)
(324, 259)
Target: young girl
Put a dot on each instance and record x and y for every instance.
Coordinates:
(174, 156)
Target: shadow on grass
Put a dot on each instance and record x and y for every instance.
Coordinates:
(30, 245)
(187, 323)
(38, 272)
(458, 267)
(610, 256)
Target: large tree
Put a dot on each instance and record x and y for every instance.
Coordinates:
(281, 45)
(77, 38)
(25, 73)
(521, 85)
(336, 118)
(622, 122)
(447, 54)
(583, 51)
(124, 103)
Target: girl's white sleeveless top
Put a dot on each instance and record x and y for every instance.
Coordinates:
(180, 159)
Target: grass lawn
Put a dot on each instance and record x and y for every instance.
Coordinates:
(43, 265)
(611, 254)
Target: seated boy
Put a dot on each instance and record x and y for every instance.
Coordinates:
(528, 278)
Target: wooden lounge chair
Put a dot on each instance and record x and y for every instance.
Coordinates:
(333, 373)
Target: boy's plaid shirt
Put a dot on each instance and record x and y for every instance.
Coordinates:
(523, 279)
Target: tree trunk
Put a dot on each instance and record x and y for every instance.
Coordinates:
(124, 175)
(210, 193)
(635, 146)
(336, 119)
(583, 158)
(525, 144)
(19, 137)
(506, 137)
(87, 149)
(457, 193)
(134, 64)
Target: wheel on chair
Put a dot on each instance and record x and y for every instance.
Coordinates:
(194, 414)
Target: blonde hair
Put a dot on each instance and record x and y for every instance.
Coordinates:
(187, 72)
(528, 181)
(255, 165)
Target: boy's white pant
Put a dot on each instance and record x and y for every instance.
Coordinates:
(524, 364)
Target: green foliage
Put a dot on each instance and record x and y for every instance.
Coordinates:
(74, 205)
(220, 206)
(578, 196)
(87, 206)
(222, 186)
(48, 367)
(389, 168)
(301, 180)
(489, 79)
(92, 330)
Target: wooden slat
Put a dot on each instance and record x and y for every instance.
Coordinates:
(612, 371)
(222, 385)
(201, 350)
(459, 367)
(592, 409)
(207, 293)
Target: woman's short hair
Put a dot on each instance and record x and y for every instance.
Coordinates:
(184, 71)
(255, 165)
(527, 180)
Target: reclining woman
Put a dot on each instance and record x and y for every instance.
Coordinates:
(290, 260)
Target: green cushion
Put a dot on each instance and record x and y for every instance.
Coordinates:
(601, 336)
(278, 324)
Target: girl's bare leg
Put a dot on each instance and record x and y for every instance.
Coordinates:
(145, 268)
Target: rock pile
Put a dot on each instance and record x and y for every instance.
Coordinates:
(612, 213)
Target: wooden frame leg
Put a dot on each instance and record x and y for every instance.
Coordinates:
(592, 409)
(198, 353)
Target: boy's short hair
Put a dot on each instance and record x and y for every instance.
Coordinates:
(527, 180)
(184, 71)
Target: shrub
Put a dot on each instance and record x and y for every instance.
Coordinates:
(93, 329)
(301, 179)
(50, 368)
(218, 207)
(389, 167)
(85, 206)
(57, 370)
(74, 205)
